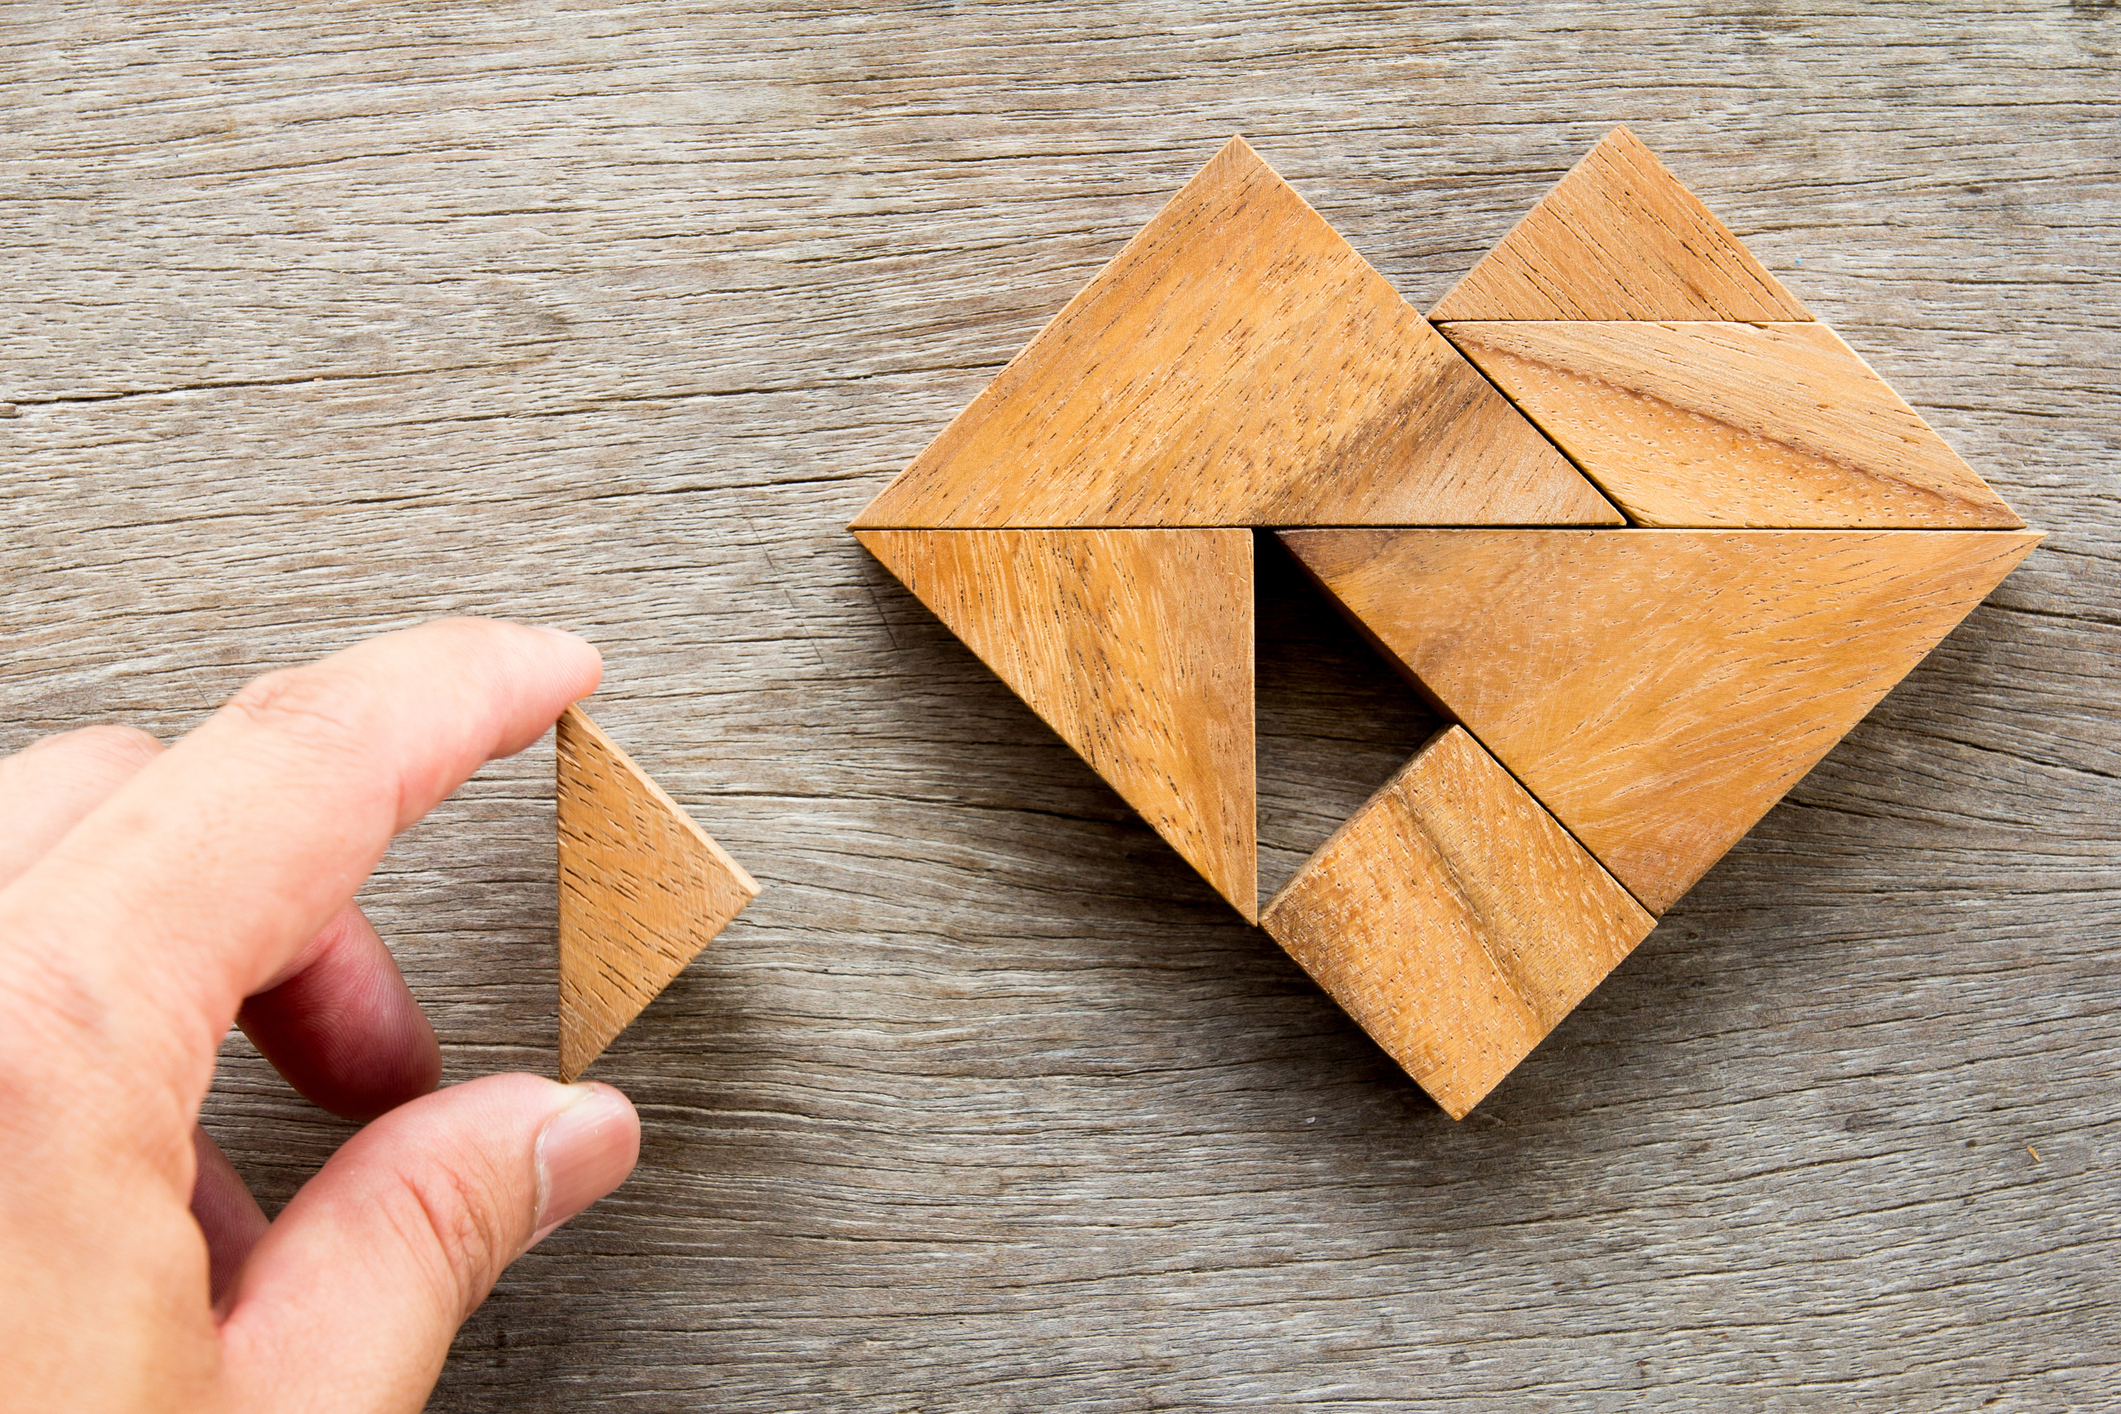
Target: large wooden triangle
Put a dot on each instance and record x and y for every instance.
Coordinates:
(1619, 238)
(1726, 424)
(1238, 364)
(1658, 690)
(642, 889)
(1135, 646)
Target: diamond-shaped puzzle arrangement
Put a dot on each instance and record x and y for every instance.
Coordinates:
(1651, 536)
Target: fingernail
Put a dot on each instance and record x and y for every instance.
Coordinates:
(584, 1152)
(557, 632)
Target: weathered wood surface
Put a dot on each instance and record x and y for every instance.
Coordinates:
(318, 323)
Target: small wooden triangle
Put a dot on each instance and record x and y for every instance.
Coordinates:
(1135, 646)
(1658, 690)
(1619, 238)
(1455, 920)
(642, 889)
(1712, 424)
(1238, 364)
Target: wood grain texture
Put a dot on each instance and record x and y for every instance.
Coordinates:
(1658, 690)
(1619, 237)
(323, 320)
(642, 888)
(1455, 920)
(1238, 364)
(1135, 646)
(1711, 424)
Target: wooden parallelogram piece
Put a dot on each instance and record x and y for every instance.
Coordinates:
(642, 889)
(1690, 424)
(1619, 238)
(1237, 364)
(1135, 646)
(1658, 690)
(1455, 920)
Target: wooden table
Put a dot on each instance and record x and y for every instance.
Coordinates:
(321, 321)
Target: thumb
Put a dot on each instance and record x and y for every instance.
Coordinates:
(351, 1298)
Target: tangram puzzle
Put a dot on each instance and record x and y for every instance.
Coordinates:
(642, 889)
(1649, 535)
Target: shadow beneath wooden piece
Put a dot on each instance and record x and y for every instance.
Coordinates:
(1335, 719)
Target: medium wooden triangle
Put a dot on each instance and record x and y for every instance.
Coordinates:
(1713, 424)
(1238, 364)
(1658, 690)
(1135, 646)
(1619, 238)
(642, 889)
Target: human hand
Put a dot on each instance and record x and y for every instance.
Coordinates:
(147, 899)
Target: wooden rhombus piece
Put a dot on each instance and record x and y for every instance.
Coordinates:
(642, 889)
(1713, 424)
(1629, 700)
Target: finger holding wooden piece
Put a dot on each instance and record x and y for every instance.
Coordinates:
(642, 889)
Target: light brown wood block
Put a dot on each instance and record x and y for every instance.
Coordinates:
(1619, 238)
(1238, 364)
(1658, 690)
(1728, 424)
(1455, 920)
(642, 889)
(1135, 646)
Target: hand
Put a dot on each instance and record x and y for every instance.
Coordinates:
(148, 898)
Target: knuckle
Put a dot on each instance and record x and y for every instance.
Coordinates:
(456, 1222)
(66, 1010)
(106, 749)
(120, 746)
(319, 705)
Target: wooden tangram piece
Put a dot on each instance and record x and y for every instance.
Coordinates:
(1706, 424)
(1619, 238)
(1658, 690)
(1135, 646)
(1455, 920)
(1641, 335)
(642, 889)
(1237, 364)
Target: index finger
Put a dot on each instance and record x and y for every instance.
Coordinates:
(143, 930)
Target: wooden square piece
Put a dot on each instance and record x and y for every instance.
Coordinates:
(1455, 920)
